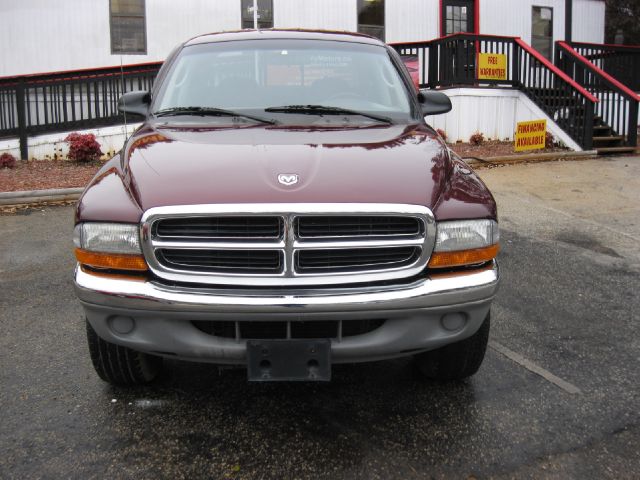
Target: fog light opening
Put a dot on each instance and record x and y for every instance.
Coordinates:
(122, 325)
(453, 321)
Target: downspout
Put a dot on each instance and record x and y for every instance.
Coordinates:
(568, 20)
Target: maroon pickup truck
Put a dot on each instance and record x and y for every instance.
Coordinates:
(284, 207)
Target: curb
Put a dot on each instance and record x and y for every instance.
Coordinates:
(38, 196)
(529, 158)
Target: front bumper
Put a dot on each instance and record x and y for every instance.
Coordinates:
(163, 315)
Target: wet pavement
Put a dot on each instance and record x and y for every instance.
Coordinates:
(568, 307)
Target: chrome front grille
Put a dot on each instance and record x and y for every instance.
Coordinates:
(287, 244)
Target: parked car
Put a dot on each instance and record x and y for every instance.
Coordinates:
(284, 206)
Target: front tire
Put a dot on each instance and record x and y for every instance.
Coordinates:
(458, 360)
(121, 365)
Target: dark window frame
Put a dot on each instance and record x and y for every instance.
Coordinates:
(242, 19)
(114, 51)
(536, 38)
(359, 6)
(471, 5)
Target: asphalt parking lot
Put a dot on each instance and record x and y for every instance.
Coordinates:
(557, 397)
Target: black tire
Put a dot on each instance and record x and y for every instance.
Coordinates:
(458, 360)
(121, 365)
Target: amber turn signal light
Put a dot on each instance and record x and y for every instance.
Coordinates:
(463, 257)
(113, 261)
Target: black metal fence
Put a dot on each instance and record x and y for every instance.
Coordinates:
(453, 61)
(617, 105)
(621, 62)
(57, 102)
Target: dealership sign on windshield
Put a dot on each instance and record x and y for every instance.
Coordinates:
(492, 66)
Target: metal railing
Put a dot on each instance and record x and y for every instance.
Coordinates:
(622, 62)
(453, 61)
(617, 106)
(58, 102)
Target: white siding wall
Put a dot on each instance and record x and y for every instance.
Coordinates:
(588, 21)
(496, 18)
(326, 14)
(411, 20)
(45, 35)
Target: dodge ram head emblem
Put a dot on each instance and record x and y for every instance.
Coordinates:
(288, 178)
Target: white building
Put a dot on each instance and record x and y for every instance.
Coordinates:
(46, 36)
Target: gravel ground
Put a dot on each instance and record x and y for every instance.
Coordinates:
(43, 174)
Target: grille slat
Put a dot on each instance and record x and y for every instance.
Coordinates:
(257, 227)
(312, 261)
(241, 261)
(355, 226)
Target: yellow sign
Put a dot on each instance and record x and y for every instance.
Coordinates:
(530, 135)
(492, 66)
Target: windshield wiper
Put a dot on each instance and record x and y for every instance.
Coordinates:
(208, 111)
(325, 110)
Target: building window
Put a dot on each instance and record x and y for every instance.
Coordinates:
(128, 27)
(371, 18)
(265, 13)
(542, 31)
(458, 16)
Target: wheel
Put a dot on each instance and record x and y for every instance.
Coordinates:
(121, 365)
(458, 360)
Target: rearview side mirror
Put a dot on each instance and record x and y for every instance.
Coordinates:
(136, 103)
(434, 103)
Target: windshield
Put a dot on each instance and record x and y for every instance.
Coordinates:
(266, 75)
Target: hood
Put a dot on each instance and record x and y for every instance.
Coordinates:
(169, 165)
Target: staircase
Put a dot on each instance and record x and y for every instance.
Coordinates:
(615, 120)
(605, 140)
(593, 108)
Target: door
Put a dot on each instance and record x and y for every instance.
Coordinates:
(458, 60)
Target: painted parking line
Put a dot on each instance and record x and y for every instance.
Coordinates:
(532, 367)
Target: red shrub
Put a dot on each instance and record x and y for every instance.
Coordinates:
(443, 134)
(477, 138)
(83, 147)
(549, 140)
(7, 160)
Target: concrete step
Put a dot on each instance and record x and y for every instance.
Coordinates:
(613, 150)
(609, 138)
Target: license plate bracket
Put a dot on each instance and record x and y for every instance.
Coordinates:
(289, 360)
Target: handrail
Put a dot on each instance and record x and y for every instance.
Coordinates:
(80, 71)
(63, 101)
(598, 70)
(619, 104)
(451, 35)
(556, 70)
(610, 46)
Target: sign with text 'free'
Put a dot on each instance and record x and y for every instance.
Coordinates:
(492, 66)
(530, 135)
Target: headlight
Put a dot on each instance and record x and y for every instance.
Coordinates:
(465, 242)
(109, 245)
